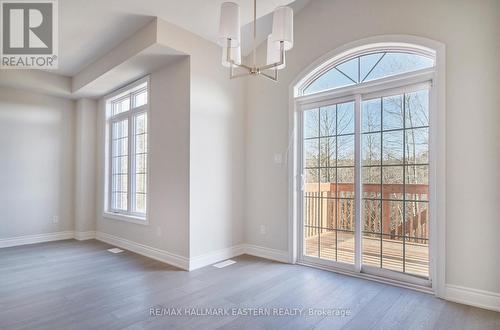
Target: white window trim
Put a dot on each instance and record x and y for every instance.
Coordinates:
(137, 218)
(437, 133)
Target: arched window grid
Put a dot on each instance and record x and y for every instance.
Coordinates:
(361, 78)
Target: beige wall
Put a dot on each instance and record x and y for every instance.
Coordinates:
(36, 163)
(469, 30)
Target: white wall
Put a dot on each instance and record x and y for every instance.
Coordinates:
(217, 154)
(37, 81)
(36, 163)
(216, 173)
(85, 165)
(197, 154)
(168, 215)
(470, 30)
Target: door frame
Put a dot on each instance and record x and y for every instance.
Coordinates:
(437, 211)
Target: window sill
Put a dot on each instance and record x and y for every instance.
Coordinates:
(127, 218)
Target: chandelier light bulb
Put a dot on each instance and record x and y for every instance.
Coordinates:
(283, 27)
(229, 28)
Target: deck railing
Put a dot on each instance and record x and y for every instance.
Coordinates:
(331, 206)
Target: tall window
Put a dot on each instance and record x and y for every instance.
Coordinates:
(127, 156)
(365, 160)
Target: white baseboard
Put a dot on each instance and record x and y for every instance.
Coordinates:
(473, 297)
(234, 251)
(84, 235)
(151, 252)
(147, 251)
(267, 253)
(215, 256)
(32, 239)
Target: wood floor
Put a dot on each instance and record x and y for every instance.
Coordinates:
(79, 285)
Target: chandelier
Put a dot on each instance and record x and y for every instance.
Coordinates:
(279, 41)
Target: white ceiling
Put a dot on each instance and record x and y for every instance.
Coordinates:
(90, 28)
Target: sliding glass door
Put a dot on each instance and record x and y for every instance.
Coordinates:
(329, 212)
(389, 165)
(395, 175)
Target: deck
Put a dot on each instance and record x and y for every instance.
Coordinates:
(416, 255)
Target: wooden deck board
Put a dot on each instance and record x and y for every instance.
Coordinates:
(416, 255)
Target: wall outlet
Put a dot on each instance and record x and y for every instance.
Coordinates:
(55, 219)
(263, 229)
(159, 232)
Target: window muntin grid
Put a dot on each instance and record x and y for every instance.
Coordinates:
(329, 182)
(128, 152)
(367, 67)
(395, 181)
(141, 143)
(119, 165)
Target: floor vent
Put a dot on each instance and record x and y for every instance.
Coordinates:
(224, 263)
(115, 250)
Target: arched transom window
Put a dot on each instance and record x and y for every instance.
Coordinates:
(366, 67)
